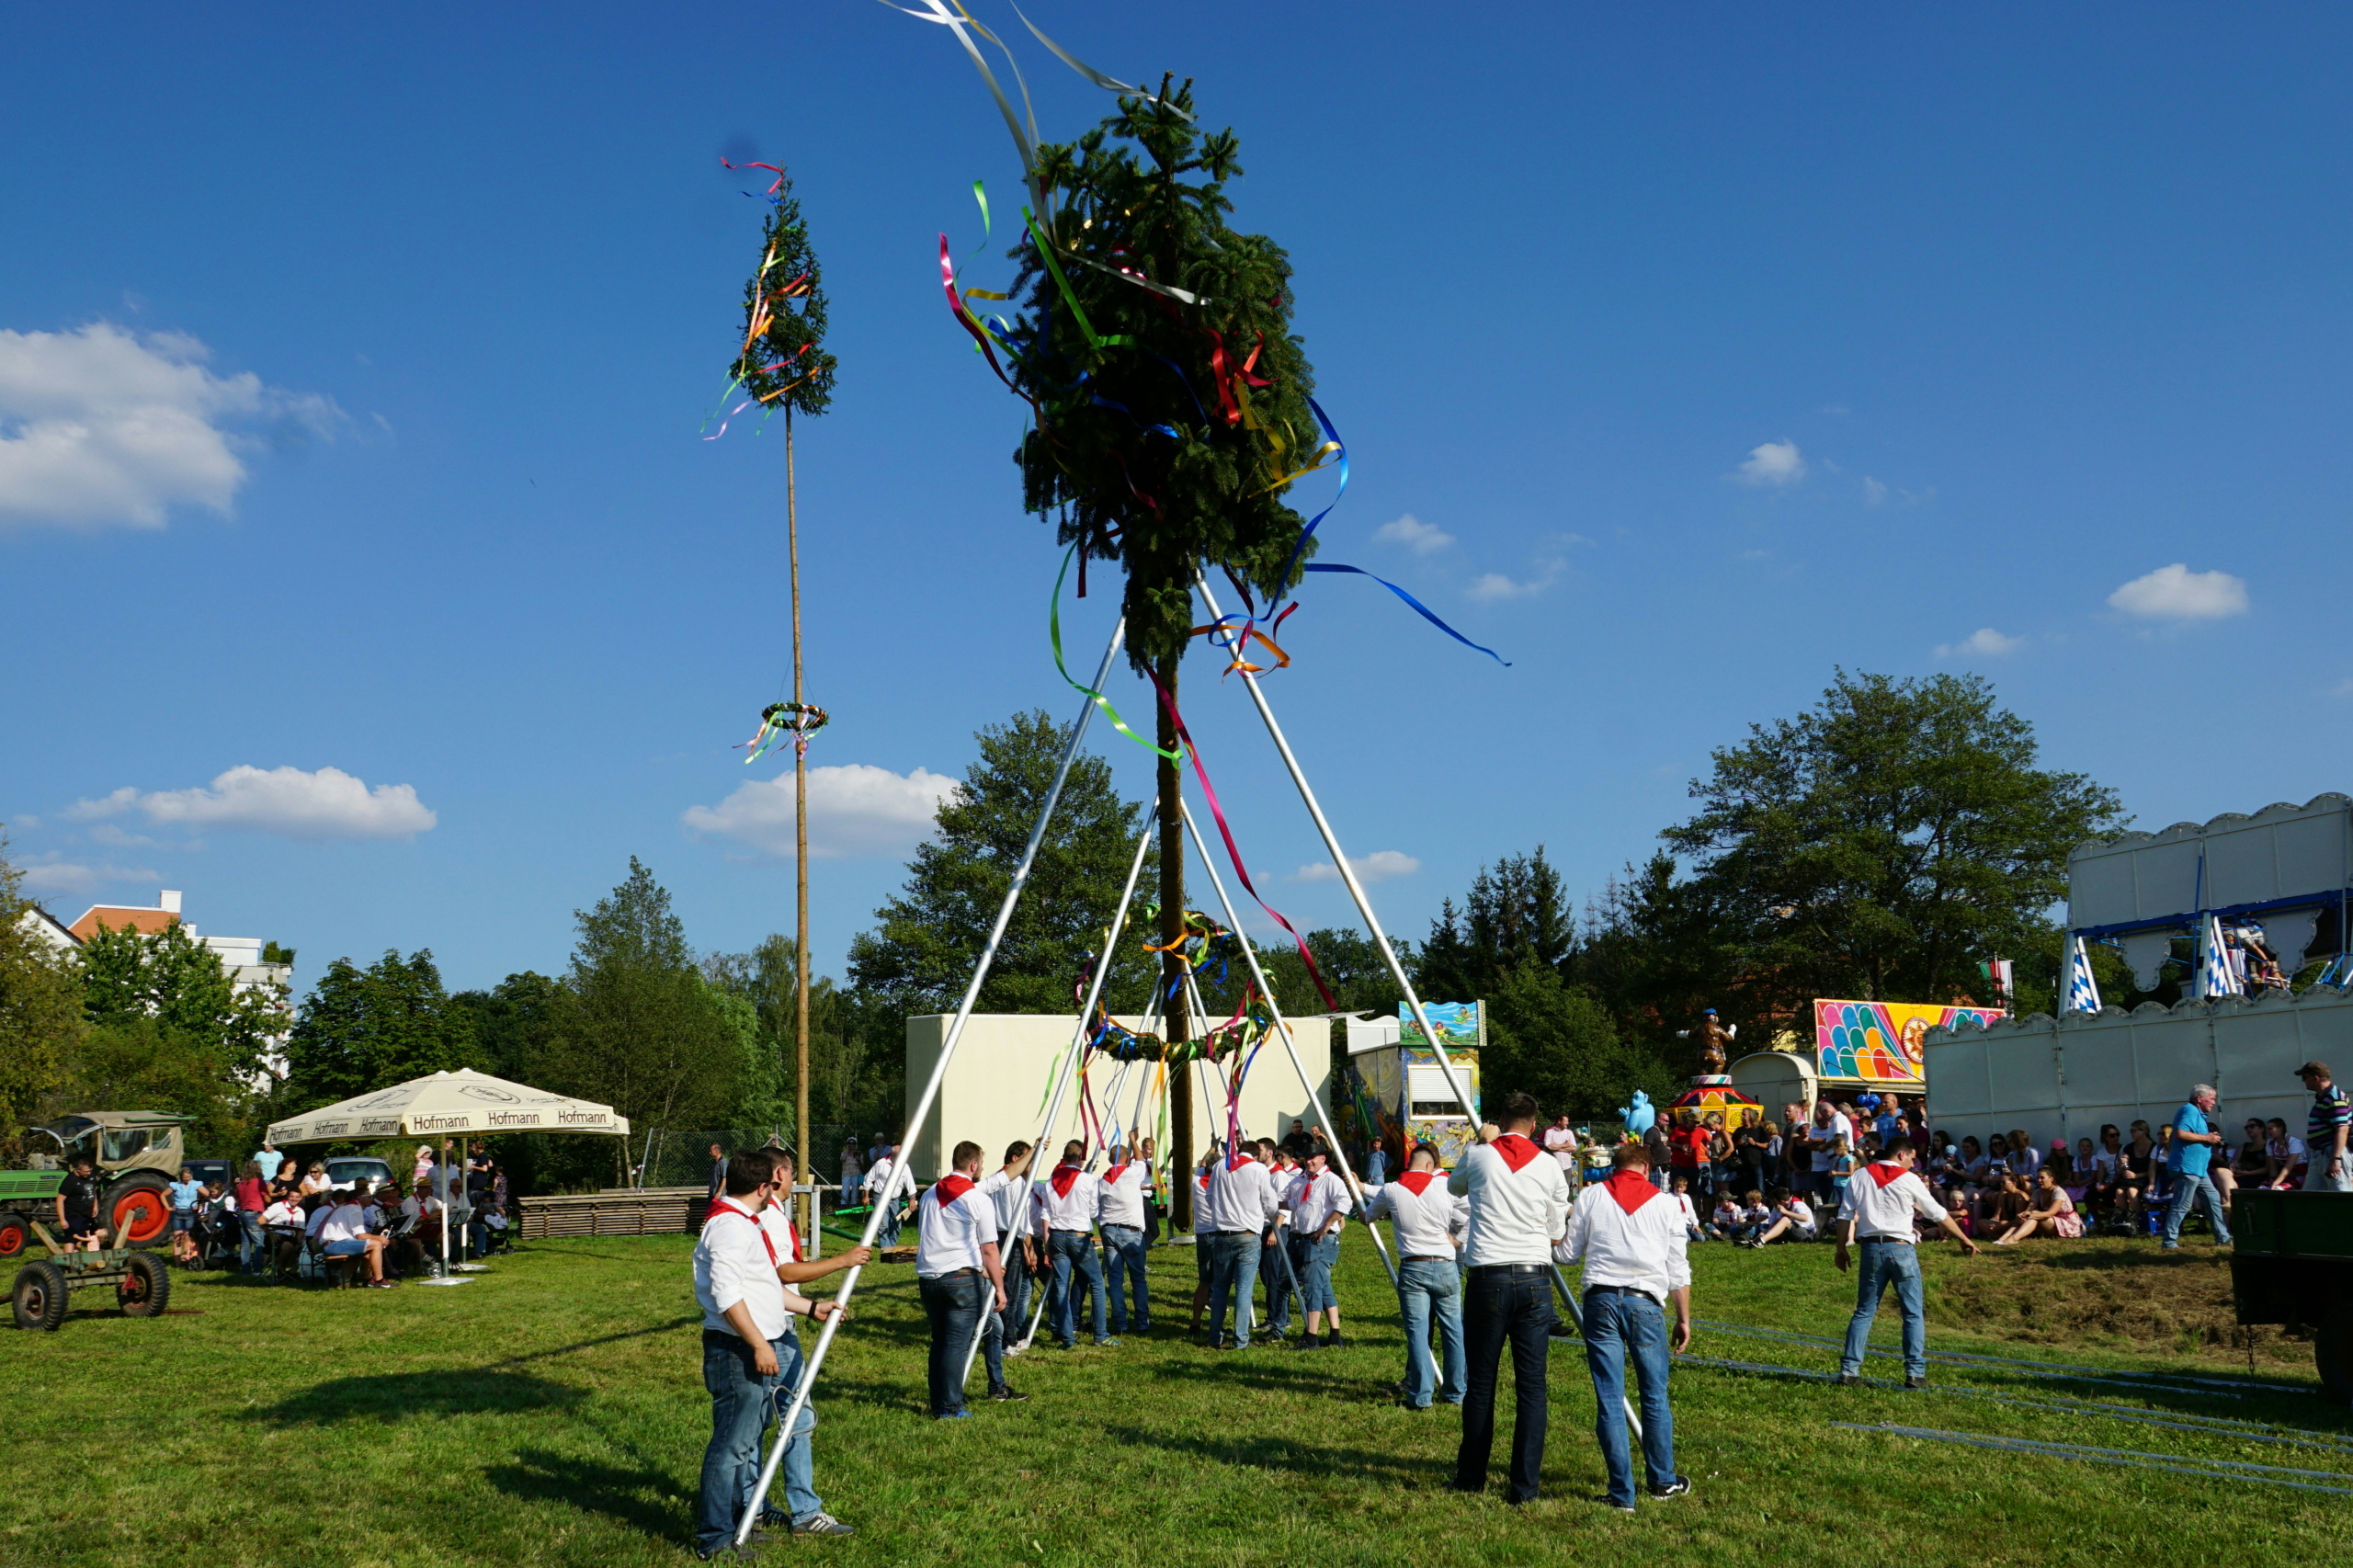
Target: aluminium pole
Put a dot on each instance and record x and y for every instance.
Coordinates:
(1282, 1028)
(1380, 938)
(900, 1172)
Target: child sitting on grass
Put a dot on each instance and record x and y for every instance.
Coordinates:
(1682, 1195)
(1725, 1223)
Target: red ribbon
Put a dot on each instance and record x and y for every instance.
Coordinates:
(1209, 792)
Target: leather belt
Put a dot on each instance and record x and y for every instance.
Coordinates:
(1511, 1268)
(1423, 1257)
(1887, 1241)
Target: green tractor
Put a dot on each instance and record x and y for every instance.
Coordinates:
(135, 1155)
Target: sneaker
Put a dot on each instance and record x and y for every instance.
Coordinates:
(1005, 1395)
(1917, 1381)
(1332, 1341)
(1107, 1340)
(953, 1416)
(1679, 1487)
(1013, 1350)
(1850, 1380)
(1306, 1342)
(823, 1524)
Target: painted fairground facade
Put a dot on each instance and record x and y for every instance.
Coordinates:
(1399, 1089)
(1879, 1044)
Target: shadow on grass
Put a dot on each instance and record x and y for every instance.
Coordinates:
(1273, 1451)
(644, 1499)
(674, 1324)
(401, 1396)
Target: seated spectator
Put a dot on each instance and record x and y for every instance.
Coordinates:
(2287, 1151)
(343, 1232)
(2082, 1172)
(2001, 1209)
(2251, 1161)
(1976, 1170)
(315, 1180)
(282, 1224)
(2050, 1212)
(1793, 1220)
(1755, 1214)
(1682, 1195)
(1955, 1201)
(2024, 1158)
(1724, 1223)
(419, 1243)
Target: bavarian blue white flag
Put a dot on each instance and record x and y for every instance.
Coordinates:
(2083, 991)
(2214, 977)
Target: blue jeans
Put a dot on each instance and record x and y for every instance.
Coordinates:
(1014, 1322)
(1278, 1272)
(1073, 1255)
(1313, 1257)
(1617, 1324)
(1885, 1264)
(742, 1405)
(1233, 1274)
(251, 1246)
(955, 1304)
(2187, 1186)
(798, 1472)
(1515, 1306)
(1123, 1260)
(1428, 1290)
(888, 1236)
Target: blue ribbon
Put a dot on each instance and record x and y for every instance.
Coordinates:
(1418, 605)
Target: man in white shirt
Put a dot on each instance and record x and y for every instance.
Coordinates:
(1068, 1198)
(1118, 1216)
(804, 1511)
(1630, 1237)
(1560, 1143)
(1428, 1223)
(958, 1274)
(1830, 1124)
(1880, 1200)
(1241, 1205)
(744, 1308)
(878, 1187)
(1318, 1206)
(342, 1232)
(1520, 1206)
(1008, 1189)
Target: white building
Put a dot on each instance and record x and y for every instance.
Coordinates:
(242, 957)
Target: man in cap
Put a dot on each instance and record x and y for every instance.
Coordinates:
(2331, 1167)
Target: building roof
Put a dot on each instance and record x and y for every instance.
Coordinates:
(50, 927)
(116, 917)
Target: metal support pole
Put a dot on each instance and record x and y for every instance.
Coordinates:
(1069, 1070)
(901, 1174)
(1282, 1028)
(1380, 938)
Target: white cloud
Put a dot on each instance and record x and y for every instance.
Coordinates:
(101, 427)
(1873, 491)
(1984, 642)
(1774, 464)
(855, 809)
(329, 804)
(1378, 866)
(1421, 537)
(2176, 593)
(63, 877)
(1490, 587)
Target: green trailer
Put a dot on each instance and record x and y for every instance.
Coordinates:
(38, 1299)
(2293, 1266)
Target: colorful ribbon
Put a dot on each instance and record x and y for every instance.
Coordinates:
(1055, 635)
(1425, 609)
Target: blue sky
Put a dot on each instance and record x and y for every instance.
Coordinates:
(351, 366)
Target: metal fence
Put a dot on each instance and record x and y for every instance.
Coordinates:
(680, 1157)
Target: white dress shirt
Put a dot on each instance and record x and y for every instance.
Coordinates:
(1428, 1223)
(1204, 1222)
(948, 1236)
(878, 1177)
(732, 1265)
(1118, 1196)
(1004, 1194)
(1560, 1143)
(1313, 1201)
(1642, 1250)
(1515, 1215)
(344, 1223)
(1882, 1206)
(1241, 1198)
(1073, 1209)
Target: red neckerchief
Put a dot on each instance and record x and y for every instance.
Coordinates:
(1515, 1150)
(952, 1187)
(1064, 1177)
(1112, 1175)
(1884, 1171)
(1416, 1181)
(1630, 1189)
(1235, 1162)
(721, 1205)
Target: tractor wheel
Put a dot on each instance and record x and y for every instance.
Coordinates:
(138, 1210)
(16, 1234)
(146, 1285)
(2332, 1354)
(40, 1296)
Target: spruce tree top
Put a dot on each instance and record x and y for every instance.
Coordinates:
(1168, 428)
(783, 363)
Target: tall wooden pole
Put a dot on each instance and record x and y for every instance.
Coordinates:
(808, 1162)
(1177, 1025)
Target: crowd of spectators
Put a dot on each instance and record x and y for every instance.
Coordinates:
(286, 1218)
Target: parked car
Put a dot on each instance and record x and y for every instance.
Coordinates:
(343, 1170)
(220, 1171)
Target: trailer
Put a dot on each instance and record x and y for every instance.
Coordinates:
(1398, 1088)
(2293, 1266)
(38, 1299)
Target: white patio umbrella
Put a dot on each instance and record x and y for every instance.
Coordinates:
(447, 1104)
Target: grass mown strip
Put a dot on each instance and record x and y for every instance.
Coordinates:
(552, 1412)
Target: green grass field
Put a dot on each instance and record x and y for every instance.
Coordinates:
(552, 1412)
